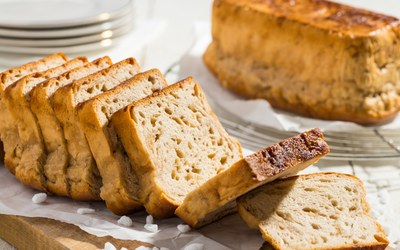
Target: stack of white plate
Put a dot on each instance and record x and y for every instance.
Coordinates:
(70, 26)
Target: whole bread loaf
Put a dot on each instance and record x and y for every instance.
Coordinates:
(315, 211)
(120, 183)
(8, 129)
(175, 143)
(83, 177)
(312, 57)
(216, 197)
(41, 103)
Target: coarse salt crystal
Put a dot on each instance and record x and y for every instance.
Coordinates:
(109, 246)
(39, 198)
(149, 219)
(183, 228)
(125, 221)
(84, 210)
(151, 227)
(194, 246)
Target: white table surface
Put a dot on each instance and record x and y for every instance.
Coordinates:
(177, 37)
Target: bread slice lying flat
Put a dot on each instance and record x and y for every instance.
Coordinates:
(175, 143)
(216, 197)
(42, 106)
(120, 184)
(315, 211)
(83, 178)
(30, 156)
(8, 130)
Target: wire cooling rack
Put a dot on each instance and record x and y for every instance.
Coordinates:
(365, 145)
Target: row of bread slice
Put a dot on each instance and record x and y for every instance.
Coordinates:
(58, 135)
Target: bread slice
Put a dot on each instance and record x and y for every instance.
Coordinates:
(175, 143)
(315, 211)
(120, 184)
(42, 106)
(280, 44)
(31, 152)
(83, 178)
(216, 198)
(8, 130)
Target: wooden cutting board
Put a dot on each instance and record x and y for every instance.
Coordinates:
(40, 233)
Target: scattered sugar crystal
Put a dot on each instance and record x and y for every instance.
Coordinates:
(39, 198)
(183, 228)
(125, 221)
(149, 219)
(194, 246)
(109, 246)
(151, 227)
(84, 210)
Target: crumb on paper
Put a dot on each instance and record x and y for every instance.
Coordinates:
(149, 219)
(85, 210)
(109, 246)
(125, 221)
(194, 246)
(151, 227)
(183, 228)
(39, 198)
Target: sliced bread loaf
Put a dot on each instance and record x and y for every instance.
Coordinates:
(8, 130)
(120, 184)
(175, 143)
(315, 211)
(83, 178)
(216, 197)
(42, 106)
(31, 152)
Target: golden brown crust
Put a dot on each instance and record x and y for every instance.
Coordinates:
(322, 14)
(119, 182)
(30, 140)
(239, 84)
(28, 67)
(41, 105)
(83, 178)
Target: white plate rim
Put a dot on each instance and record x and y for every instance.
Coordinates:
(124, 8)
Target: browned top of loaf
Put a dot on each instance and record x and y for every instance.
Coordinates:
(281, 156)
(325, 15)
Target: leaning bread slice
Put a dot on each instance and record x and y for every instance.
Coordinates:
(120, 184)
(315, 211)
(8, 131)
(175, 143)
(31, 152)
(83, 178)
(216, 197)
(53, 136)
